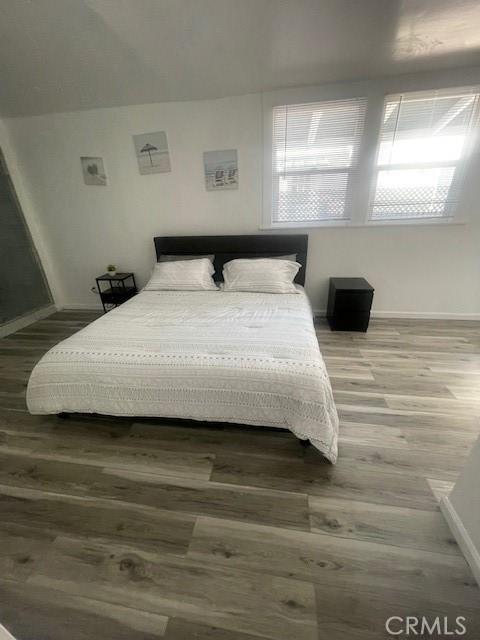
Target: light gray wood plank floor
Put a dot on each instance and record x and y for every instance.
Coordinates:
(143, 529)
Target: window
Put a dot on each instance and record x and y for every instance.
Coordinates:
(315, 157)
(424, 141)
(323, 169)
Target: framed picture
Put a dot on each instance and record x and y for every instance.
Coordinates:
(152, 152)
(93, 171)
(221, 169)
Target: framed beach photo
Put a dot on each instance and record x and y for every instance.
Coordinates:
(152, 152)
(221, 169)
(93, 171)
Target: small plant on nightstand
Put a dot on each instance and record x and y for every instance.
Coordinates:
(112, 270)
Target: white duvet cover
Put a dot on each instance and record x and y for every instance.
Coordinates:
(248, 358)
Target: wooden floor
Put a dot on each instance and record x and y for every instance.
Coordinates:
(113, 530)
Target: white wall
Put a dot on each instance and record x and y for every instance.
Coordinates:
(91, 226)
(462, 510)
(432, 270)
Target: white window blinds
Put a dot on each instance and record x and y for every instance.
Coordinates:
(315, 157)
(423, 144)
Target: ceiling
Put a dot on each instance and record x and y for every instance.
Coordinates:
(62, 55)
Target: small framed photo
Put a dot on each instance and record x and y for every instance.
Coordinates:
(152, 152)
(221, 169)
(93, 171)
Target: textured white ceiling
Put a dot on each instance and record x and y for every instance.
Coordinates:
(61, 55)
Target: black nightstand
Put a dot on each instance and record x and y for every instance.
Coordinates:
(349, 304)
(121, 287)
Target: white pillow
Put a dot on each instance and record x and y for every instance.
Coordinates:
(182, 275)
(171, 257)
(268, 275)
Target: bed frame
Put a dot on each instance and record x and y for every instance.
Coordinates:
(226, 248)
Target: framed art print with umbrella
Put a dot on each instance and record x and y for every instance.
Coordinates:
(152, 152)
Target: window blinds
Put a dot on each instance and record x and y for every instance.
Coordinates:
(423, 142)
(315, 156)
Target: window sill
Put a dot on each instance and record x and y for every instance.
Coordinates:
(307, 225)
(428, 222)
(345, 224)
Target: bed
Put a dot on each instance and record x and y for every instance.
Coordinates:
(236, 357)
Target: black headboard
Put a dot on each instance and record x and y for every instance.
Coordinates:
(227, 248)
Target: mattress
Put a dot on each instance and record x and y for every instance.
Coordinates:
(245, 358)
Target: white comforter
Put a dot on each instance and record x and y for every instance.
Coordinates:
(249, 358)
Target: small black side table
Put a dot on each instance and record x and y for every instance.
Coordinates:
(119, 289)
(349, 304)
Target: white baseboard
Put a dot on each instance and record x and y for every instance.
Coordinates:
(461, 535)
(22, 322)
(4, 634)
(416, 315)
(81, 306)
(426, 315)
